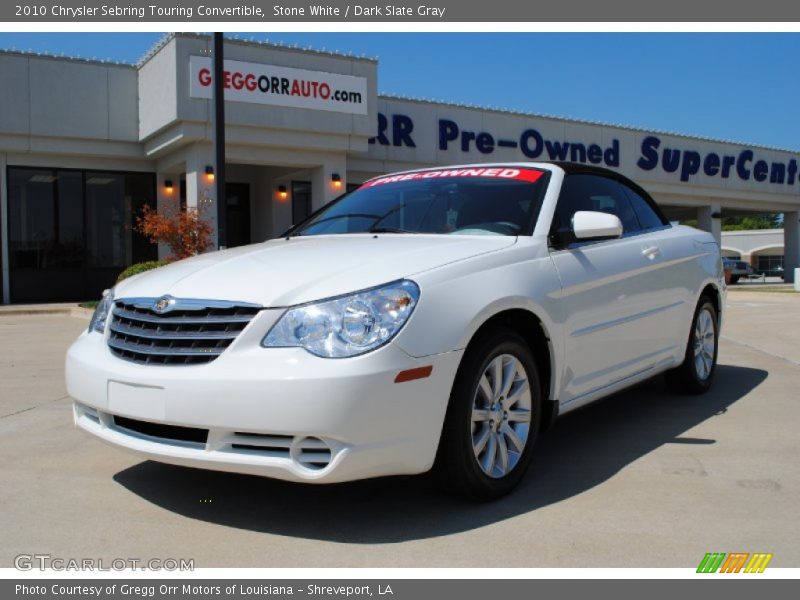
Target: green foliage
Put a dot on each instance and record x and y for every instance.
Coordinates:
(141, 267)
(769, 221)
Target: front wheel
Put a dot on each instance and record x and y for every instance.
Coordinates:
(695, 374)
(492, 419)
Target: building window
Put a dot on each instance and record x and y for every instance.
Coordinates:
(71, 232)
(770, 265)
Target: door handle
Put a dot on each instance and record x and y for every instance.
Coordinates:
(651, 252)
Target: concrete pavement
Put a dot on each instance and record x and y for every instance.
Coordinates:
(642, 479)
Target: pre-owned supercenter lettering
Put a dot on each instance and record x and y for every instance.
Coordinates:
(654, 154)
(744, 164)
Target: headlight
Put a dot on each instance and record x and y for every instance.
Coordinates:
(98, 322)
(348, 325)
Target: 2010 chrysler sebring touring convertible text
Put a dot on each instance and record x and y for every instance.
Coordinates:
(437, 318)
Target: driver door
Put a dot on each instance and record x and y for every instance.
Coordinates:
(608, 289)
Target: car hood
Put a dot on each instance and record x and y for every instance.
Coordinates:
(284, 272)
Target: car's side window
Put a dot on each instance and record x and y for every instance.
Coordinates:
(648, 217)
(592, 192)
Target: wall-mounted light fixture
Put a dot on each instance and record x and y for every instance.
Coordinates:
(716, 215)
(168, 187)
(282, 193)
(209, 172)
(336, 180)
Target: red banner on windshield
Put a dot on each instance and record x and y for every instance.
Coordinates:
(514, 174)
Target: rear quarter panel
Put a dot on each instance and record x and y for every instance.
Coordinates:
(697, 265)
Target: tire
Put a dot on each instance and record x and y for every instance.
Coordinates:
(486, 443)
(696, 373)
(734, 278)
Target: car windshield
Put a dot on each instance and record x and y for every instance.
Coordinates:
(466, 201)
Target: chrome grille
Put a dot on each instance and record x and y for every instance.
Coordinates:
(173, 331)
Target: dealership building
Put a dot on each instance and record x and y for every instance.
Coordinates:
(85, 144)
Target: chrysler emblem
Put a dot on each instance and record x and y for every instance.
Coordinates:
(163, 304)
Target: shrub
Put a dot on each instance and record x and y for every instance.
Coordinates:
(184, 230)
(141, 267)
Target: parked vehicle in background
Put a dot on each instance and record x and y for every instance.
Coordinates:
(736, 268)
(438, 318)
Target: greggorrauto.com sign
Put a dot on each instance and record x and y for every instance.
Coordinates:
(280, 86)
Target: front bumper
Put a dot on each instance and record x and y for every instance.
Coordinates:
(277, 412)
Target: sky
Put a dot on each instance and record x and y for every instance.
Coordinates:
(739, 87)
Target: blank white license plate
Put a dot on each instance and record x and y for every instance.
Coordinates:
(138, 401)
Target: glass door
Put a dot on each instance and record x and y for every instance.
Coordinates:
(237, 216)
(301, 200)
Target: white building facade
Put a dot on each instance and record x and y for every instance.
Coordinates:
(84, 145)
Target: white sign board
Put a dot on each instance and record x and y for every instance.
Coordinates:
(280, 86)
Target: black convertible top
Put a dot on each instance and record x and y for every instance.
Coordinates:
(574, 168)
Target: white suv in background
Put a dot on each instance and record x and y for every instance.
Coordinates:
(438, 318)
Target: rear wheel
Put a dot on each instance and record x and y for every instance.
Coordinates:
(695, 374)
(735, 278)
(492, 419)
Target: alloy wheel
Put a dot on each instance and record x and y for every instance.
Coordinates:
(705, 342)
(501, 415)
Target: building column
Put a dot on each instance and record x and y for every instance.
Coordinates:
(167, 200)
(791, 244)
(6, 229)
(323, 189)
(200, 189)
(708, 223)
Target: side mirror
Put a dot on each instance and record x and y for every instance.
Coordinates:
(592, 225)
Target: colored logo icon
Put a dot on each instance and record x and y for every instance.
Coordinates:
(735, 562)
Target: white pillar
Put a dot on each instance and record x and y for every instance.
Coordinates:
(791, 244)
(281, 207)
(708, 223)
(6, 229)
(166, 200)
(323, 189)
(200, 188)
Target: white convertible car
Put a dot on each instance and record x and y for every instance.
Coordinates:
(437, 318)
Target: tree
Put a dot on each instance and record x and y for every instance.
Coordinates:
(183, 230)
(767, 221)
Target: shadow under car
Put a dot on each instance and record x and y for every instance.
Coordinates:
(584, 449)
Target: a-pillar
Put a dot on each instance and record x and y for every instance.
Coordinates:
(709, 219)
(791, 244)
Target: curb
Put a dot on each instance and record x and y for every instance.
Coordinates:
(29, 311)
